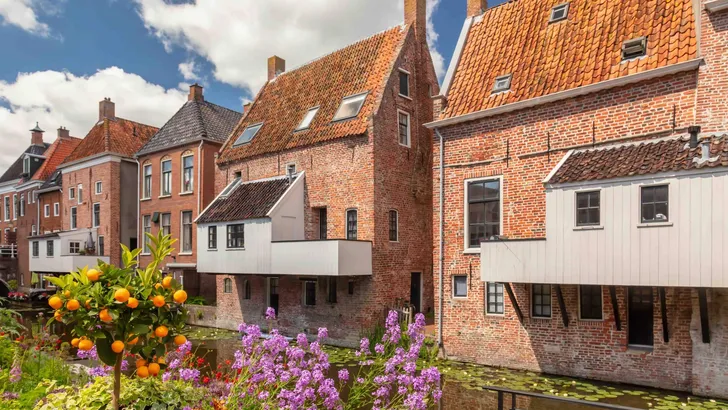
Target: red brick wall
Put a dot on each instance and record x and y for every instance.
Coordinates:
(52, 222)
(712, 111)
(24, 225)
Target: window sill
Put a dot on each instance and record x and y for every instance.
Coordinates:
(145, 254)
(164, 196)
(591, 320)
(234, 249)
(496, 315)
(145, 199)
(184, 254)
(212, 250)
(654, 224)
(405, 96)
(186, 193)
(405, 145)
(640, 349)
(589, 228)
(457, 298)
(471, 251)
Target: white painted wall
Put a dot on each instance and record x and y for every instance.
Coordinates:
(322, 258)
(254, 258)
(62, 261)
(287, 214)
(689, 250)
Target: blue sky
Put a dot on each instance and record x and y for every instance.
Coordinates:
(61, 56)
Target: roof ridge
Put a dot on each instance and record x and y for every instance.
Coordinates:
(107, 135)
(135, 122)
(220, 106)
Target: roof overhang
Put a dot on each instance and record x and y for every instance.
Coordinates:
(90, 161)
(142, 153)
(29, 184)
(46, 190)
(574, 92)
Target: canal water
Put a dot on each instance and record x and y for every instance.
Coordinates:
(464, 385)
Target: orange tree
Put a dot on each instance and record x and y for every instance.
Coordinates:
(123, 308)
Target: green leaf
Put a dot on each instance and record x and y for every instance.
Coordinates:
(140, 329)
(59, 282)
(103, 347)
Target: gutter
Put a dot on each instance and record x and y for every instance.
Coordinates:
(442, 240)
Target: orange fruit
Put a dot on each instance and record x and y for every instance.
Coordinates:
(153, 369)
(160, 360)
(58, 315)
(75, 342)
(105, 316)
(140, 363)
(67, 293)
(72, 305)
(85, 344)
(180, 340)
(88, 304)
(93, 275)
(159, 301)
(121, 295)
(167, 282)
(132, 303)
(161, 331)
(55, 302)
(157, 286)
(134, 340)
(142, 372)
(180, 296)
(117, 346)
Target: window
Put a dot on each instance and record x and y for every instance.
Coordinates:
(22, 205)
(248, 134)
(483, 216)
(73, 217)
(228, 189)
(654, 203)
(147, 183)
(97, 215)
(351, 287)
(350, 107)
(80, 193)
(35, 249)
(307, 119)
(49, 248)
(460, 286)
(541, 300)
(166, 177)
(590, 302)
(46, 210)
(26, 165)
(323, 223)
(331, 290)
(246, 290)
(101, 246)
(351, 224)
(7, 208)
(32, 230)
(74, 247)
(71, 193)
(559, 13)
(56, 209)
(227, 285)
(393, 226)
(166, 224)
(635, 48)
(502, 83)
(98, 186)
(404, 83)
(404, 128)
(212, 237)
(309, 293)
(494, 298)
(587, 208)
(236, 236)
(147, 228)
(290, 169)
(188, 168)
(186, 231)
(15, 206)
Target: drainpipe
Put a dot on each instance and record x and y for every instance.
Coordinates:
(199, 177)
(140, 240)
(442, 240)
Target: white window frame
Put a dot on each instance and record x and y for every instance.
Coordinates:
(26, 164)
(507, 78)
(145, 240)
(558, 8)
(35, 249)
(46, 210)
(71, 246)
(409, 129)
(93, 215)
(73, 224)
(454, 296)
(182, 251)
(485, 296)
(162, 194)
(578, 301)
(100, 240)
(79, 194)
(303, 125)
(144, 181)
(304, 300)
(224, 286)
(355, 97)
(56, 208)
(22, 205)
(33, 231)
(71, 193)
(6, 207)
(587, 227)
(409, 84)
(98, 187)
(238, 143)
(642, 222)
(30, 197)
(466, 217)
(182, 176)
(15, 207)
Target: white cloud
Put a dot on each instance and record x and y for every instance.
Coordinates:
(21, 13)
(189, 70)
(237, 36)
(56, 98)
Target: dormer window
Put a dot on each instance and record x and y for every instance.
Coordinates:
(559, 13)
(350, 107)
(307, 119)
(502, 83)
(26, 165)
(634, 48)
(248, 134)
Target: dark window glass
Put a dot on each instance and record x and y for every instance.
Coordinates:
(167, 177)
(212, 237)
(351, 287)
(166, 224)
(73, 218)
(49, 248)
(404, 84)
(404, 129)
(147, 181)
(460, 286)
(228, 285)
(494, 298)
(101, 246)
(587, 208)
(331, 296)
(309, 293)
(187, 173)
(351, 224)
(393, 226)
(236, 236)
(323, 223)
(97, 215)
(35, 248)
(147, 226)
(74, 247)
(483, 211)
(187, 231)
(654, 203)
(590, 302)
(541, 300)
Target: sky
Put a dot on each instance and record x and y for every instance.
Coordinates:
(61, 57)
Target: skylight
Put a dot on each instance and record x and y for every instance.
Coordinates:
(637, 47)
(225, 192)
(306, 122)
(559, 13)
(502, 83)
(248, 134)
(350, 107)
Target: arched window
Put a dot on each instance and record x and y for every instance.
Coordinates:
(227, 285)
(246, 290)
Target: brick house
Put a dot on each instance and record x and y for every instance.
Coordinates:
(562, 139)
(177, 180)
(337, 223)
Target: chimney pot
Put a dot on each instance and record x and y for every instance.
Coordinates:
(476, 7)
(107, 109)
(415, 13)
(63, 132)
(693, 130)
(276, 66)
(196, 93)
(36, 135)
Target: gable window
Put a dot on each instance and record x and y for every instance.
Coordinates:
(350, 107)
(309, 293)
(227, 285)
(590, 302)
(188, 168)
(331, 290)
(187, 231)
(634, 48)
(393, 226)
(559, 13)
(307, 119)
(654, 203)
(483, 213)
(351, 225)
(404, 90)
(73, 217)
(323, 223)
(460, 286)
(166, 177)
(7, 208)
(98, 187)
(56, 209)
(26, 165)
(46, 210)
(71, 193)
(212, 237)
(101, 246)
(74, 247)
(246, 290)
(587, 208)
(404, 128)
(35, 249)
(147, 184)
(541, 300)
(147, 228)
(502, 83)
(494, 298)
(166, 224)
(97, 215)
(236, 236)
(80, 193)
(49, 248)
(248, 134)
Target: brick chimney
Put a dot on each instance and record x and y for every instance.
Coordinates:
(63, 132)
(276, 66)
(195, 93)
(476, 7)
(415, 13)
(246, 107)
(107, 109)
(36, 135)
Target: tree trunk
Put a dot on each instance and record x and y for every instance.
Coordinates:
(117, 383)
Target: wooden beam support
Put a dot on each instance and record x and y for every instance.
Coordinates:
(704, 323)
(514, 302)
(663, 309)
(562, 306)
(615, 307)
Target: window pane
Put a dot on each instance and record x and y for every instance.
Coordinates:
(477, 213)
(476, 191)
(492, 211)
(491, 230)
(661, 208)
(248, 134)
(593, 217)
(594, 199)
(350, 107)
(648, 195)
(492, 190)
(404, 84)
(661, 193)
(460, 286)
(477, 232)
(648, 212)
(582, 200)
(167, 166)
(308, 118)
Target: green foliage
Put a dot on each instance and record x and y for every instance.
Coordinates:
(197, 300)
(34, 278)
(9, 324)
(13, 285)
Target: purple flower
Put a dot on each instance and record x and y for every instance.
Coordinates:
(15, 374)
(270, 314)
(323, 333)
(88, 354)
(343, 375)
(189, 374)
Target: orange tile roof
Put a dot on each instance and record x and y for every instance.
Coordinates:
(282, 103)
(55, 154)
(544, 58)
(116, 135)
